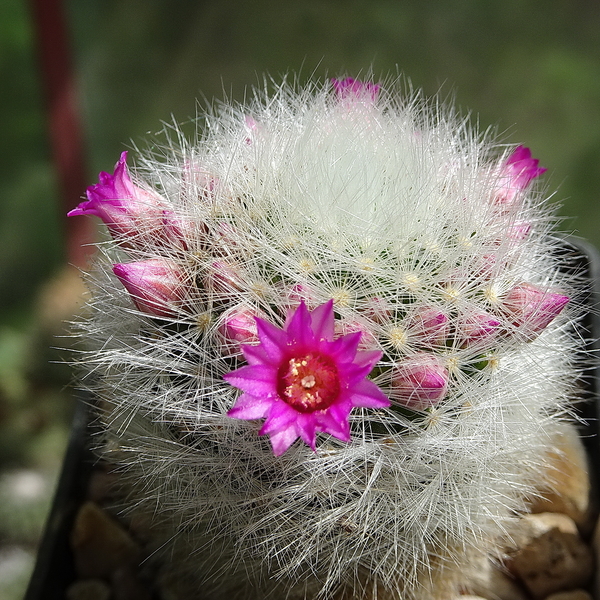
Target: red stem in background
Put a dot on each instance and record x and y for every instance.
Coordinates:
(64, 128)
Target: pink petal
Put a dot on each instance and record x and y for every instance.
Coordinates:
(306, 428)
(345, 348)
(299, 329)
(335, 422)
(322, 321)
(256, 355)
(257, 380)
(283, 419)
(368, 395)
(282, 440)
(249, 407)
(272, 339)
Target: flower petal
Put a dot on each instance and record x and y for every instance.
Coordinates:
(257, 380)
(272, 339)
(368, 395)
(248, 407)
(322, 321)
(282, 440)
(299, 328)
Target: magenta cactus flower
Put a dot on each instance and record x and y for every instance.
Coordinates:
(155, 285)
(420, 381)
(302, 381)
(532, 308)
(516, 174)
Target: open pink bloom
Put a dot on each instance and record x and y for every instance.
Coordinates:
(420, 381)
(516, 174)
(350, 88)
(532, 309)
(302, 380)
(155, 285)
(126, 208)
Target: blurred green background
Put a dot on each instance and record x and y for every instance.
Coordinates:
(530, 66)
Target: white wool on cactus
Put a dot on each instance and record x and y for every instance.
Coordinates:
(331, 341)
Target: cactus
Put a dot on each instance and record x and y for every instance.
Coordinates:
(330, 341)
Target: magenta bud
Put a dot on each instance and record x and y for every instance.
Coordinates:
(429, 326)
(131, 213)
(354, 89)
(239, 326)
(299, 292)
(155, 285)
(533, 309)
(477, 327)
(223, 278)
(199, 178)
(516, 174)
(420, 381)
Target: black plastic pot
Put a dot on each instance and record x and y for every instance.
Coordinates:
(54, 570)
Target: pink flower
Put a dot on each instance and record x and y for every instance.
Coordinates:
(350, 88)
(378, 309)
(516, 174)
(532, 309)
(127, 209)
(155, 285)
(420, 381)
(302, 381)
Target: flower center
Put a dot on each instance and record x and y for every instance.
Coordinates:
(308, 383)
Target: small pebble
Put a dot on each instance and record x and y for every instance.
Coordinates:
(550, 555)
(100, 544)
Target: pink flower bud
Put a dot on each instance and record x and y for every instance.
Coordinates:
(155, 286)
(532, 309)
(420, 381)
(429, 326)
(518, 231)
(378, 310)
(239, 327)
(299, 292)
(223, 278)
(130, 213)
(355, 89)
(515, 175)
(477, 328)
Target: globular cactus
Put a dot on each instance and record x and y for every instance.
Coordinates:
(331, 341)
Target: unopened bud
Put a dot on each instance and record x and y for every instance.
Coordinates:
(155, 285)
(420, 381)
(532, 309)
